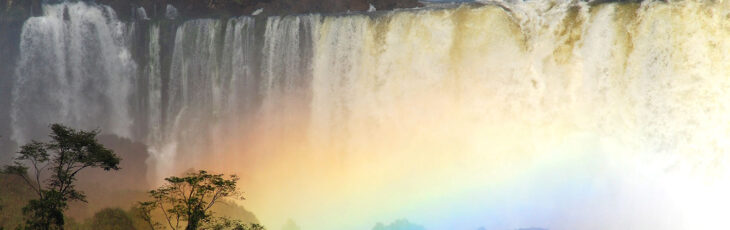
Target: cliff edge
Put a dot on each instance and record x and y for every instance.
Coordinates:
(126, 9)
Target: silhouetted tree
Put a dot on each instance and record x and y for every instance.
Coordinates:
(112, 219)
(144, 211)
(68, 152)
(1, 209)
(188, 200)
(223, 223)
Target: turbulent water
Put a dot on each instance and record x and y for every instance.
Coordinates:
(561, 114)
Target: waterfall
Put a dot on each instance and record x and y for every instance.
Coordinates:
(562, 114)
(73, 68)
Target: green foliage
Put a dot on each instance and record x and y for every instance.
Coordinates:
(46, 212)
(1, 208)
(112, 219)
(189, 199)
(108, 219)
(68, 152)
(222, 223)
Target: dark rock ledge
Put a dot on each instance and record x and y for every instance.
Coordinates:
(155, 9)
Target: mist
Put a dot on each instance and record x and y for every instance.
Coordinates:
(504, 115)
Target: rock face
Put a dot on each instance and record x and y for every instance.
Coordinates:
(13, 13)
(215, 8)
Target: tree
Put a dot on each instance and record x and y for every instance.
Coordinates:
(112, 219)
(144, 211)
(1, 208)
(221, 223)
(188, 200)
(69, 152)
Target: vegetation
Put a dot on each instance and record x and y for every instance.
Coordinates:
(69, 152)
(221, 223)
(14, 195)
(112, 219)
(109, 219)
(188, 201)
(51, 184)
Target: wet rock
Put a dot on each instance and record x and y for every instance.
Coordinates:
(158, 9)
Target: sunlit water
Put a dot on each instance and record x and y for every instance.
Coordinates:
(557, 114)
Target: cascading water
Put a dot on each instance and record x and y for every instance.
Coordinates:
(73, 68)
(561, 114)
